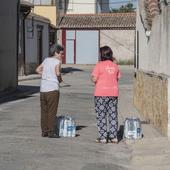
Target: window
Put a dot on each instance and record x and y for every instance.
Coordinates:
(43, 2)
(60, 5)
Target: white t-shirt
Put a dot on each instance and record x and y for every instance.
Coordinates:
(49, 80)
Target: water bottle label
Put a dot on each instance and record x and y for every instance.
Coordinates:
(138, 130)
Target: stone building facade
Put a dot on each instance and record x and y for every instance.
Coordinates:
(152, 78)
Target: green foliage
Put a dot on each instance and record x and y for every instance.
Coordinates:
(123, 9)
(126, 62)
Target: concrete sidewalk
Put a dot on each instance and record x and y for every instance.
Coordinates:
(23, 148)
(29, 77)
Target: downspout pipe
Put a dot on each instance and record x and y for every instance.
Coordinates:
(96, 7)
(17, 44)
(24, 51)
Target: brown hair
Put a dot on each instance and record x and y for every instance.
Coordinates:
(106, 53)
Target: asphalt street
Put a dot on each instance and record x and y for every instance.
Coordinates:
(23, 148)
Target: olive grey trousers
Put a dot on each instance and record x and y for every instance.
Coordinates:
(49, 105)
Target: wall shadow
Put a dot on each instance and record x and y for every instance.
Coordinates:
(21, 92)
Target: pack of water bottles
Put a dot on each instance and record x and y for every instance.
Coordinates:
(66, 126)
(132, 128)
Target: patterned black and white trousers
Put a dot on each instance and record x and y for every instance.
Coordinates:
(107, 116)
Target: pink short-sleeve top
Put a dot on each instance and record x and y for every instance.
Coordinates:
(107, 74)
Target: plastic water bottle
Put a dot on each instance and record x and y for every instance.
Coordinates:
(132, 128)
(73, 129)
(69, 127)
(61, 127)
(65, 127)
(138, 132)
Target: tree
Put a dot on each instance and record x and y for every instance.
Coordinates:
(124, 8)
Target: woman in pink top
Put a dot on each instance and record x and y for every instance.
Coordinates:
(105, 75)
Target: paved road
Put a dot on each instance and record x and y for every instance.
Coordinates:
(22, 147)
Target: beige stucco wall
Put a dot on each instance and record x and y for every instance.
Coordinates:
(151, 98)
(8, 45)
(46, 11)
(121, 42)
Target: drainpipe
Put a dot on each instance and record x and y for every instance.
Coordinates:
(24, 52)
(17, 45)
(96, 9)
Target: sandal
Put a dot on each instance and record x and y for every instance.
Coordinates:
(98, 140)
(114, 140)
(44, 134)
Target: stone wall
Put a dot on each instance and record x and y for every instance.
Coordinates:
(151, 97)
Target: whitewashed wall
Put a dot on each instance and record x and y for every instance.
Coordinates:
(154, 52)
(152, 80)
(83, 6)
(142, 43)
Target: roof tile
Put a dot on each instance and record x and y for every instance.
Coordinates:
(99, 21)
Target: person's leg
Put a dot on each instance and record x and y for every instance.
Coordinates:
(113, 117)
(52, 100)
(44, 111)
(101, 117)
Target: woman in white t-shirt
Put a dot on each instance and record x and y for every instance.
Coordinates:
(50, 71)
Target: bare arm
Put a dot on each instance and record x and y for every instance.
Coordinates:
(58, 72)
(39, 69)
(94, 79)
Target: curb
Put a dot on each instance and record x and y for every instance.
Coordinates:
(29, 77)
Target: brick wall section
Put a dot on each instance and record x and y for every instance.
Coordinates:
(151, 98)
(148, 19)
(151, 10)
(153, 7)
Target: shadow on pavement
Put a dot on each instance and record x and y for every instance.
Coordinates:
(120, 133)
(80, 127)
(21, 92)
(69, 70)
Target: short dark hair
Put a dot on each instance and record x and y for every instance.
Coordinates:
(106, 53)
(56, 48)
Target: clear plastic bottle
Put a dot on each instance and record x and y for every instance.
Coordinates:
(61, 127)
(65, 127)
(73, 129)
(132, 128)
(138, 133)
(69, 127)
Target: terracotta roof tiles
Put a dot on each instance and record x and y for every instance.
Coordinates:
(99, 21)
